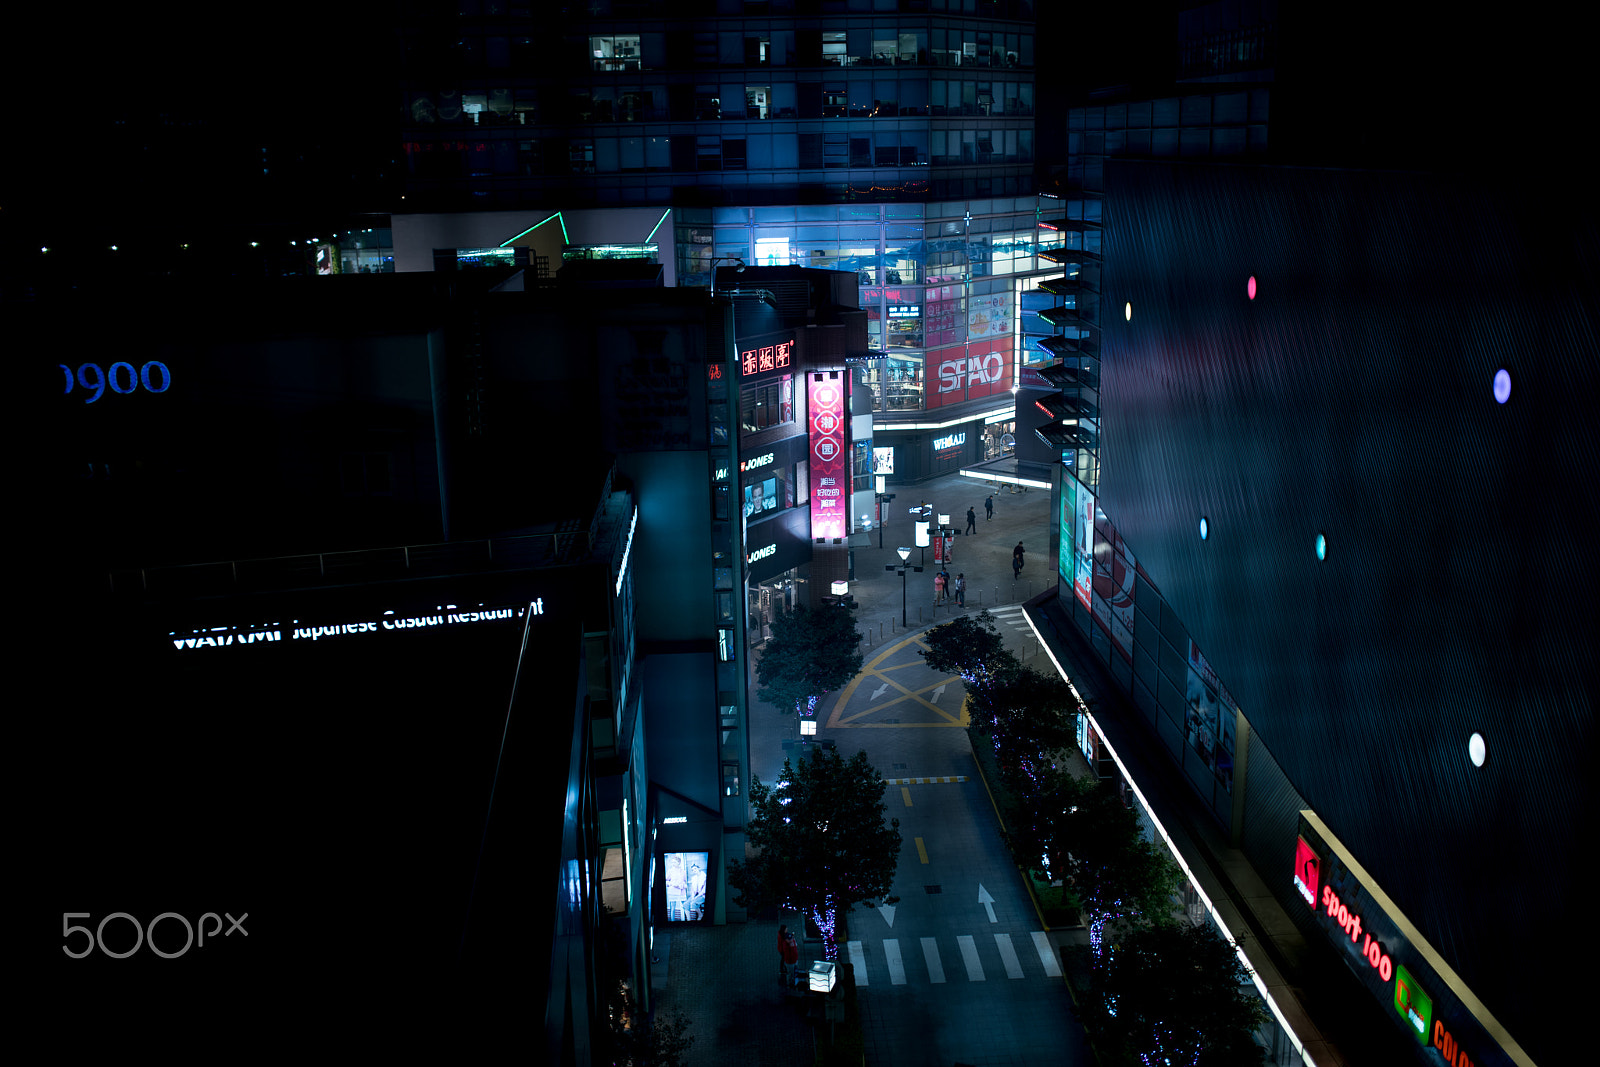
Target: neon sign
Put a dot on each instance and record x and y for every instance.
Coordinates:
(121, 377)
(759, 461)
(762, 553)
(955, 440)
(627, 550)
(270, 633)
(979, 370)
(829, 473)
(768, 357)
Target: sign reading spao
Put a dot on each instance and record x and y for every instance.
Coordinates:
(1357, 918)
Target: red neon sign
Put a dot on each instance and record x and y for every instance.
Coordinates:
(766, 358)
(830, 473)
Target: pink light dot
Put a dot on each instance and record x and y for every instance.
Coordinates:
(1251, 288)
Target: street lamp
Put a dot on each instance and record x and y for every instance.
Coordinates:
(737, 270)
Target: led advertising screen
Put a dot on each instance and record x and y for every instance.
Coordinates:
(830, 471)
(1306, 865)
(1065, 555)
(686, 886)
(883, 460)
(1083, 548)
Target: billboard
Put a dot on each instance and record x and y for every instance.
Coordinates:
(1083, 548)
(883, 460)
(686, 885)
(830, 459)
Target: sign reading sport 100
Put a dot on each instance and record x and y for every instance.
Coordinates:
(153, 377)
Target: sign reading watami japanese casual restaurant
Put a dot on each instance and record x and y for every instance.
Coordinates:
(1423, 994)
(830, 462)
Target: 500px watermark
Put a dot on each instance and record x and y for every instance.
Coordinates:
(143, 934)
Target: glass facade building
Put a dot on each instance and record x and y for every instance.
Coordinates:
(891, 139)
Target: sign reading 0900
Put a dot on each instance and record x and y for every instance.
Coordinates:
(153, 377)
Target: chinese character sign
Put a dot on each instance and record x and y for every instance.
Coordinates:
(766, 358)
(830, 465)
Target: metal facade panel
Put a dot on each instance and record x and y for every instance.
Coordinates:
(1351, 396)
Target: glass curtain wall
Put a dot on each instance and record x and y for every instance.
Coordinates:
(921, 269)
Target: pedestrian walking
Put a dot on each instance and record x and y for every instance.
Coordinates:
(1016, 562)
(788, 955)
(961, 590)
(972, 521)
(988, 506)
(938, 587)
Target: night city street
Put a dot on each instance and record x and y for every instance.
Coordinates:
(450, 428)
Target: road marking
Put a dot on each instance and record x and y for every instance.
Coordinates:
(938, 692)
(878, 692)
(1047, 954)
(987, 901)
(922, 850)
(906, 795)
(925, 781)
(930, 953)
(969, 956)
(1008, 955)
(858, 962)
(897, 969)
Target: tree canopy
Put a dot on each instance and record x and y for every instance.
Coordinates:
(970, 646)
(810, 653)
(1174, 994)
(822, 843)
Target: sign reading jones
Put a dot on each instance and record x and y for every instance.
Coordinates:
(228, 636)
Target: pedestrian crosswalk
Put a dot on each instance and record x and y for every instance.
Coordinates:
(886, 960)
(1011, 615)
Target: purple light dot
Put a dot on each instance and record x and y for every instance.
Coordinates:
(1502, 385)
(1251, 288)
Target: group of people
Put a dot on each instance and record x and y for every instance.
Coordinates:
(945, 587)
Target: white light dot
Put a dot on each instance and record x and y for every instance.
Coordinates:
(1127, 312)
(1477, 750)
(1502, 385)
(1205, 528)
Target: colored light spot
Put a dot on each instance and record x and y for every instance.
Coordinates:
(1251, 287)
(1502, 385)
(1477, 750)
(1205, 528)
(1322, 547)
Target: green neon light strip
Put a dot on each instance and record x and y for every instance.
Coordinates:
(564, 238)
(535, 226)
(657, 226)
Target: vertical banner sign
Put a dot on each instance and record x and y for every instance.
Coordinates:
(829, 458)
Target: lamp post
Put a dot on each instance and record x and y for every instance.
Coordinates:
(718, 259)
(905, 554)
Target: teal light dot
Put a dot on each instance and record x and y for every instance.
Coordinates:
(1322, 547)
(1205, 528)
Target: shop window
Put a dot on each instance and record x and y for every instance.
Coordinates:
(905, 326)
(903, 383)
(614, 53)
(766, 405)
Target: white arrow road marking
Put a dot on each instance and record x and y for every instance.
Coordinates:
(878, 692)
(987, 901)
(888, 913)
(969, 956)
(930, 953)
(939, 692)
(858, 962)
(1047, 955)
(897, 968)
(1007, 954)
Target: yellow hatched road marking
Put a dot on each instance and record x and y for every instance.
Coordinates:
(923, 781)
(922, 850)
(906, 795)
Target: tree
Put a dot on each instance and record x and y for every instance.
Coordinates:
(809, 654)
(638, 1041)
(970, 646)
(1029, 718)
(1121, 878)
(821, 842)
(1175, 995)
